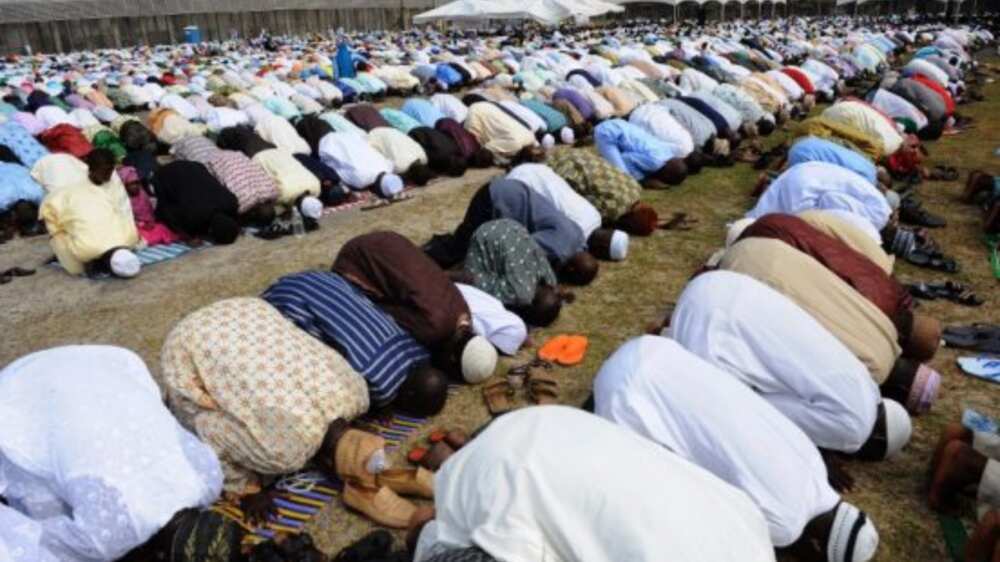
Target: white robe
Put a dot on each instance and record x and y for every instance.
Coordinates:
(355, 161)
(657, 121)
(663, 392)
(821, 185)
(794, 363)
(91, 453)
(554, 484)
(504, 329)
(545, 182)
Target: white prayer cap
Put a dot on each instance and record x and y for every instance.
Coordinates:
(892, 198)
(479, 360)
(548, 141)
(736, 228)
(566, 135)
(853, 538)
(311, 207)
(390, 185)
(898, 427)
(618, 249)
(125, 264)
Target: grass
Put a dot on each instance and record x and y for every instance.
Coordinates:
(52, 308)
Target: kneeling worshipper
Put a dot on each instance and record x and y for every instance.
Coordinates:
(396, 368)
(358, 164)
(822, 185)
(846, 313)
(443, 154)
(499, 132)
(96, 468)
(614, 193)
(475, 155)
(505, 262)
(646, 158)
(88, 231)
(796, 365)
(20, 196)
(560, 238)
(403, 281)
(816, 149)
(919, 334)
(501, 327)
(297, 185)
(602, 242)
(527, 488)
(663, 392)
(657, 121)
(273, 406)
(407, 155)
(192, 203)
(966, 460)
(253, 187)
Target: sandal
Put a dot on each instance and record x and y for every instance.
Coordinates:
(679, 221)
(943, 173)
(498, 395)
(543, 388)
(936, 261)
(912, 212)
(18, 272)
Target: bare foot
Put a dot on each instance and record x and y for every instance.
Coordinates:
(960, 466)
(983, 543)
(954, 431)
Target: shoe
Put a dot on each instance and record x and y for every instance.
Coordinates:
(353, 453)
(417, 482)
(911, 212)
(381, 505)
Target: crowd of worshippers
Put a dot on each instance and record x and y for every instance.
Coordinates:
(113, 151)
(96, 464)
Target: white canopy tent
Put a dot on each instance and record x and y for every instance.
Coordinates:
(547, 12)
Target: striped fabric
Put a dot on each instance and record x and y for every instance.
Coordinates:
(329, 308)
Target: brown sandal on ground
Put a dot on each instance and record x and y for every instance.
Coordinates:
(431, 458)
(498, 395)
(543, 388)
(382, 505)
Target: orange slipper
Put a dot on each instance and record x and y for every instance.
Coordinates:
(573, 352)
(552, 348)
(564, 350)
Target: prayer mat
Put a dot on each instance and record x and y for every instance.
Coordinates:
(302, 496)
(362, 199)
(154, 254)
(299, 498)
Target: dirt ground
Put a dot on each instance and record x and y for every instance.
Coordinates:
(52, 308)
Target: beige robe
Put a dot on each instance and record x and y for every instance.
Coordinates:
(832, 225)
(844, 312)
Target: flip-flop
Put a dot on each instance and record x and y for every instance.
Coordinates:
(18, 272)
(934, 261)
(983, 367)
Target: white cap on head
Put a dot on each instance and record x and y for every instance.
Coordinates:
(898, 427)
(853, 538)
(311, 207)
(567, 136)
(618, 249)
(390, 185)
(892, 198)
(479, 360)
(548, 141)
(736, 228)
(125, 264)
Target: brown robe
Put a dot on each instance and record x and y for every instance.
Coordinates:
(408, 285)
(853, 268)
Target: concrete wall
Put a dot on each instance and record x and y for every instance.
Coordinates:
(63, 36)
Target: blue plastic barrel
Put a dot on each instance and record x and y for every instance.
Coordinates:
(192, 34)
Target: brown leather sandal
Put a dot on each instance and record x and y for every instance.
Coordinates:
(543, 388)
(498, 396)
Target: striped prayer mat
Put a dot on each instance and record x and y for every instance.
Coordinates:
(362, 199)
(302, 496)
(164, 252)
